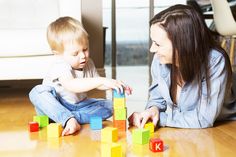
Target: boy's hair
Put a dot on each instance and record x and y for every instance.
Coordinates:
(64, 30)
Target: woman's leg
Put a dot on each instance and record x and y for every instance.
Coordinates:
(44, 98)
(93, 107)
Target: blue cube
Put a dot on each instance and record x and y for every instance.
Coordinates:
(96, 123)
(118, 95)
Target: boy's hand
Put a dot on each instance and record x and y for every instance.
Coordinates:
(113, 84)
(128, 90)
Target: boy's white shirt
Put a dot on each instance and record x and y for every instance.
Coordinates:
(61, 68)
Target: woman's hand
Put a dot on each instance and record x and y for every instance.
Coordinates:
(139, 119)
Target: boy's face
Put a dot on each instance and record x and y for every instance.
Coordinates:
(161, 44)
(76, 54)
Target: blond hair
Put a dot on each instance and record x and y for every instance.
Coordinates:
(64, 30)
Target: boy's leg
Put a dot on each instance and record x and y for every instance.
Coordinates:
(45, 101)
(93, 107)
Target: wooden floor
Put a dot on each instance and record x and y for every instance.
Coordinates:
(15, 140)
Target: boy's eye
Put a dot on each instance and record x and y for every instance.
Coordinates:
(85, 49)
(75, 53)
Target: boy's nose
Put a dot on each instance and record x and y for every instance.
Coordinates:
(82, 54)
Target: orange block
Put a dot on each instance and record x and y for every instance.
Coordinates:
(120, 124)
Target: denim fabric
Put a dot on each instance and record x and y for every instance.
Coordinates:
(191, 111)
(48, 102)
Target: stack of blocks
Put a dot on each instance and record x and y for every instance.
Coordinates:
(53, 129)
(109, 148)
(38, 122)
(120, 111)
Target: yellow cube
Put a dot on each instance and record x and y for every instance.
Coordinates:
(119, 102)
(149, 126)
(54, 130)
(109, 134)
(111, 150)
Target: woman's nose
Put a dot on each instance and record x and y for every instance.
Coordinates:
(153, 49)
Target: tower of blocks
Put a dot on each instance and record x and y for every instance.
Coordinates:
(120, 111)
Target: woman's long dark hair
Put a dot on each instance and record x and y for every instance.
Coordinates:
(192, 42)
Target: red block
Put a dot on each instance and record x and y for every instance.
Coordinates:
(33, 126)
(120, 124)
(156, 145)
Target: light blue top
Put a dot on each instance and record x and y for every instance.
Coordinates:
(192, 111)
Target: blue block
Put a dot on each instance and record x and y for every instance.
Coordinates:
(96, 123)
(118, 95)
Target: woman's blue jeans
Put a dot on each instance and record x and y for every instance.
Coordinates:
(48, 102)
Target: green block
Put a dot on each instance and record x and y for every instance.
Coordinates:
(120, 113)
(42, 120)
(140, 136)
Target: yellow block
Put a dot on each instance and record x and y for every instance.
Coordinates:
(119, 102)
(149, 126)
(109, 134)
(54, 130)
(111, 150)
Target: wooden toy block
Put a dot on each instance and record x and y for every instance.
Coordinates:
(42, 120)
(120, 125)
(33, 126)
(118, 95)
(120, 113)
(54, 143)
(111, 150)
(119, 103)
(140, 136)
(156, 145)
(109, 134)
(149, 126)
(96, 123)
(54, 130)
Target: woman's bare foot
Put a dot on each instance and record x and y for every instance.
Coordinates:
(72, 126)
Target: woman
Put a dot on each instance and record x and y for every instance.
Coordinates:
(190, 73)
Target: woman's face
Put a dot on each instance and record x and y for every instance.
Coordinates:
(161, 44)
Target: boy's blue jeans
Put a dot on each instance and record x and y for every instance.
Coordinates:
(47, 102)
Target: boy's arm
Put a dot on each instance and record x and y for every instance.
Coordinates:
(79, 85)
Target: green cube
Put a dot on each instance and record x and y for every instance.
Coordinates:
(140, 136)
(120, 113)
(42, 120)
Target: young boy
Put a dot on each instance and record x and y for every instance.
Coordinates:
(62, 95)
